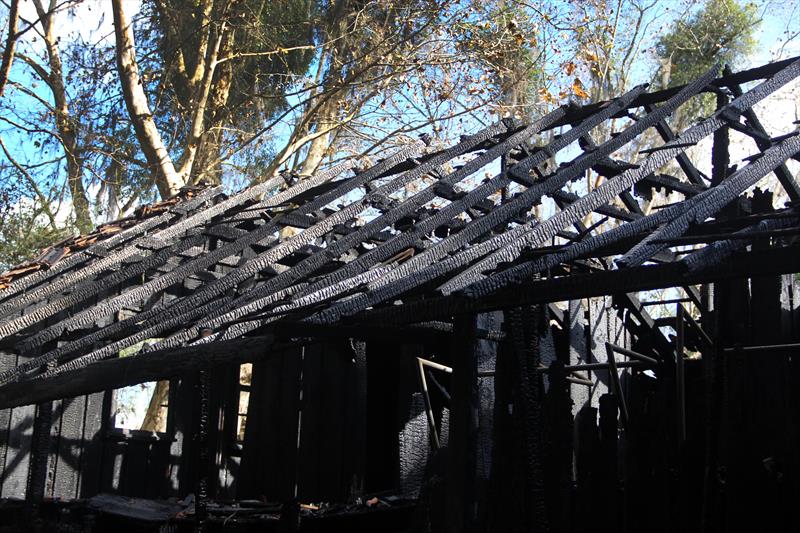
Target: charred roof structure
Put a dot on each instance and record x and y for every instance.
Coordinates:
(448, 340)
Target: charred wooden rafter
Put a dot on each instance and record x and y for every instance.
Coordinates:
(223, 266)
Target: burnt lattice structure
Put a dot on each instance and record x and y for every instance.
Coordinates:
(404, 326)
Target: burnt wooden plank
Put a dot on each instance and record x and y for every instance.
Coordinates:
(120, 372)
(260, 447)
(356, 421)
(70, 448)
(575, 286)
(53, 459)
(309, 486)
(334, 370)
(462, 442)
(7, 361)
(91, 445)
(287, 428)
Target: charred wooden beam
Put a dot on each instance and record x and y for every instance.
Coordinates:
(712, 202)
(763, 142)
(757, 73)
(779, 260)
(462, 442)
(509, 244)
(121, 372)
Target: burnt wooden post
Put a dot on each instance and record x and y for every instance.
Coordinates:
(525, 325)
(464, 406)
(720, 156)
(357, 419)
(40, 449)
(559, 447)
(608, 489)
(202, 443)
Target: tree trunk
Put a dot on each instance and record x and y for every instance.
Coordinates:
(167, 180)
(320, 145)
(11, 42)
(65, 124)
(156, 418)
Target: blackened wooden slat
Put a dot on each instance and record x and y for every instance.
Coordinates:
(132, 370)
(53, 457)
(7, 361)
(309, 454)
(356, 416)
(91, 446)
(288, 452)
(259, 452)
(70, 448)
(462, 442)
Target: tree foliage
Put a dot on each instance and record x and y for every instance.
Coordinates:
(721, 31)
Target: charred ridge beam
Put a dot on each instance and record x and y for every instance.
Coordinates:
(731, 225)
(551, 254)
(717, 252)
(713, 237)
(423, 331)
(125, 371)
(782, 260)
(758, 73)
(508, 245)
(620, 240)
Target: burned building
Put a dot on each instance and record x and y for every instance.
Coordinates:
(503, 335)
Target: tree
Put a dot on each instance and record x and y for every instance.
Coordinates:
(720, 31)
(158, 158)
